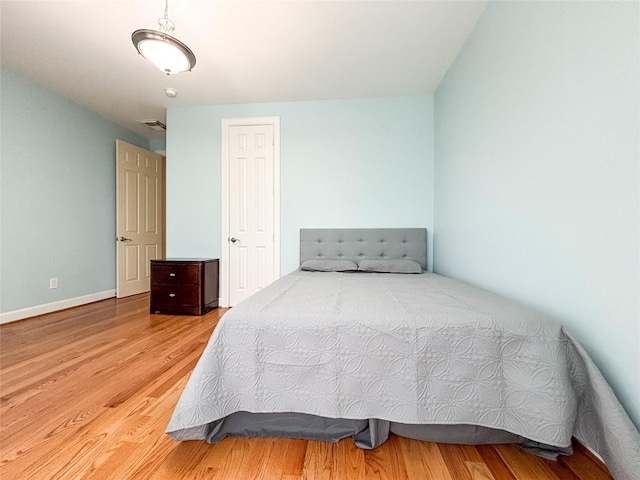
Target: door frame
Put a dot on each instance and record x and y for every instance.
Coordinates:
(224, 254)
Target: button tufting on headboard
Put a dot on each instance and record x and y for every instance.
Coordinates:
(364, 244)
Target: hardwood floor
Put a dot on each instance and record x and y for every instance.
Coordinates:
(88, 392)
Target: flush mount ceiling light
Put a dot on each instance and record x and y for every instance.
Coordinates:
(162, 49)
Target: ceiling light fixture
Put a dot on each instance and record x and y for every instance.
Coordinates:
(162, 49)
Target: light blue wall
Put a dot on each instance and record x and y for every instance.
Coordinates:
(157, 144)
(536, 174)
(344, 163)
(57, 194)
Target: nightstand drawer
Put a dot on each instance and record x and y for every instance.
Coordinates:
(176, 275)
(184, 286)
(175, 295)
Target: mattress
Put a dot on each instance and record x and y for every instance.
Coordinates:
(393, 352)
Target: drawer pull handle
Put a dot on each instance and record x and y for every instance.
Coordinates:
(172, 294)
(172, 274)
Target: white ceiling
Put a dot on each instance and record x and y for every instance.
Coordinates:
(247, 51)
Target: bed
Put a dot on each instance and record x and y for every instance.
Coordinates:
(362, 341)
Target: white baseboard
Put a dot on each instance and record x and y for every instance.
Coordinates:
(54, 306)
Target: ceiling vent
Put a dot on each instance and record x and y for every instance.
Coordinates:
(154, 125)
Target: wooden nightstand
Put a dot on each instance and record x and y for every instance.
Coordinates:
(184, 286)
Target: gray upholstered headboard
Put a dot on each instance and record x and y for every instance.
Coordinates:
(364, 244)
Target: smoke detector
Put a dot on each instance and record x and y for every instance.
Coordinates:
(156, 125)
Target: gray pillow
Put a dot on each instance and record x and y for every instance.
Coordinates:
(389, 266)
(329, 266)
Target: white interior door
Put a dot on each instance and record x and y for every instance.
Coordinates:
(139, 211)
(252, 237)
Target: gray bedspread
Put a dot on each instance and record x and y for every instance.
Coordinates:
(412, 349)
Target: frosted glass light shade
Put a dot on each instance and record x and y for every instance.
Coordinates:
(167, 53)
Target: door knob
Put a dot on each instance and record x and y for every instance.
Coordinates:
(234, 240)
(123, 239)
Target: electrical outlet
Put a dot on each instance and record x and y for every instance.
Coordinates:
(53, 283)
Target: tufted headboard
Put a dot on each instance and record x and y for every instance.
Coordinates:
(364, 244)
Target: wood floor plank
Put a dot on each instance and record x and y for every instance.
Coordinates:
(479, 471)
(216, 464)
(494, 462)
(524, 465)
(584, 464)
(560, 470)
(435, 466)
(458, 458)
(119, 455)
(318, 464)
(349, 460)
(414, 461)
(424, 460)
(291, 457)
(386, 463)
(88, 392)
